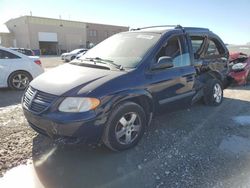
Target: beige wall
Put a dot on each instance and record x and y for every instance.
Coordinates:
(70, 34)
(6, 40)
(20, 31)
(102, 31)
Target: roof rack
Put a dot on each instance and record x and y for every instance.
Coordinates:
(196, 28)
(175, 26)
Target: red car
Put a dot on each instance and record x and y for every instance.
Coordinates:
(239, 68)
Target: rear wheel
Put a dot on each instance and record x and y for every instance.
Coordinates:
(213, 93)
(125, 127)
(19, 80)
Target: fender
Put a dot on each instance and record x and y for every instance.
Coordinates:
(216, 74)
(203, 78)
(139, 96)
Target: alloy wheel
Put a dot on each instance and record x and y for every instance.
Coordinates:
(128, 128)
(217, 93)
(20, 81)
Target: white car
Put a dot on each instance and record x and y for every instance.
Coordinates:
(17, 69)
(72, 55)
(81, 54)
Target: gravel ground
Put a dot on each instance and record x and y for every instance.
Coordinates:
(197, 147)
(15, 138)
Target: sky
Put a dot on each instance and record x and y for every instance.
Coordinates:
(229, 19)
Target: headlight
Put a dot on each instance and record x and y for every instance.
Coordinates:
(239, 66)
(78, 104)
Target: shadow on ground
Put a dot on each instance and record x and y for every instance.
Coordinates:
(180, 149)
(10, 97)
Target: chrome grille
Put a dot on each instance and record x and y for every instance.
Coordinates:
(37, 101)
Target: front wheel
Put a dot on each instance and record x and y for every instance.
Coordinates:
(125, 127)
(213, 93)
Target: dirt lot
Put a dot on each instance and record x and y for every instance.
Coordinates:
(198, 147)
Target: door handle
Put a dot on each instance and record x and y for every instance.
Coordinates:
(189, 77)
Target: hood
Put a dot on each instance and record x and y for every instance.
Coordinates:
(64, 54)
(62, 79)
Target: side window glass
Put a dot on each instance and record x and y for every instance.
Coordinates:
(7, 55)
(173, 49)
(197, 45)
(212, 49)
(216, 48)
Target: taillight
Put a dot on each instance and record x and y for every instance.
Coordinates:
(38, 62)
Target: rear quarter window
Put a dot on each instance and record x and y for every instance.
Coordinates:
(215, 48)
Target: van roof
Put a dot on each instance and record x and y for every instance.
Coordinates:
(164, 28)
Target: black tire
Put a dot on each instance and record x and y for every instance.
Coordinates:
(24, 79)
(113, 125)
(211, 94)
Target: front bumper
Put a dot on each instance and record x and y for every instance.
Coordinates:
(59, 125)
(67, 58)
(240, 77)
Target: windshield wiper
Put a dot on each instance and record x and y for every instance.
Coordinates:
(104, 61)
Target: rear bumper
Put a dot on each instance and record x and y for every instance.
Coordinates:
(57, 126)
(36, 71)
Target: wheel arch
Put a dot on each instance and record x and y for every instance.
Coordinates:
(217, 75)
(140, 97)
(25, 71)
(203, 78)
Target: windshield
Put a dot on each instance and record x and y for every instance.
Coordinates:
(125, 49)
(76, 50)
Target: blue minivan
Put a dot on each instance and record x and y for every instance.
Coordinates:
(110, 94)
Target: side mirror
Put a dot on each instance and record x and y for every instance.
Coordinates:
(164, 62)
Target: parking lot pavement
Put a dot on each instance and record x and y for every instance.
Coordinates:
(9, 97)
(197, 147)
(50, 61)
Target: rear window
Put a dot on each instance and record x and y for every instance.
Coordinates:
(25, 51)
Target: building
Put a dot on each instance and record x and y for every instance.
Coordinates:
(49, 36)
(6, 37)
